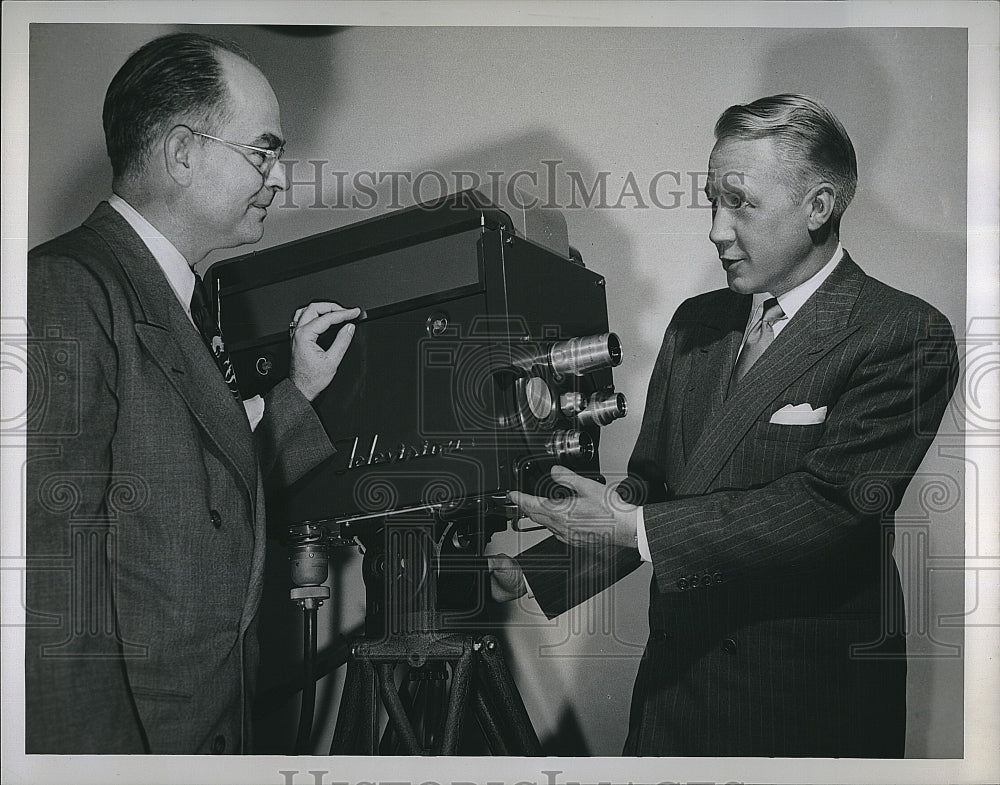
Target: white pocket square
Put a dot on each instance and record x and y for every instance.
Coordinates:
(799, 414)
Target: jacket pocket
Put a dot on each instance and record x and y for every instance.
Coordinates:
(789, 434)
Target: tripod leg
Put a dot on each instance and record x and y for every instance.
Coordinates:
(457, 703)
(368, 710)
(308, 706)
(355, 730)
(390, 743)
(488, 721)
(394, 706)
(507, 695)
(346, 732)
(434, 706)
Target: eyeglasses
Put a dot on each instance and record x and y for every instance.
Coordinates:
(268, 157)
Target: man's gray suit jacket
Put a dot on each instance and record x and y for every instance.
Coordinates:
(776, 614)
(144, 506)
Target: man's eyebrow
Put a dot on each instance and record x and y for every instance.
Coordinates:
(729, 181)
(718, 183)
(269, 141)
(726, 184)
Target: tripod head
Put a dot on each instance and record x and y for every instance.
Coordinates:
(310, 560)
(423, 569)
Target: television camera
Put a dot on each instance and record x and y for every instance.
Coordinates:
(482, 358)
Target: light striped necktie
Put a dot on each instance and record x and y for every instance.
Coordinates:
(758, 339)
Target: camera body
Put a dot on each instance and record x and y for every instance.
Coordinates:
(481, 359)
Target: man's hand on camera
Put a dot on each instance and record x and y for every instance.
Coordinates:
(591, 512)
(506, 579)
(312, 367)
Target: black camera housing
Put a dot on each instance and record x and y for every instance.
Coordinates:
(466, 377)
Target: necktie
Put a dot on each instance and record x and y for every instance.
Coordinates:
(201, 315)
(758, 339)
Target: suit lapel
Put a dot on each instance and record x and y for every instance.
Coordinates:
(174, 344)
(717, 340)
(820, 325)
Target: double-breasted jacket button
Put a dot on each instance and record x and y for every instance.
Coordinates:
(658, 636)
(729, 646)
(682, 584)
(218, 745)
(217, 523)
(717, 578)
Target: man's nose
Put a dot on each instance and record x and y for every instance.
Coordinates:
(276, 178)
(721, 233)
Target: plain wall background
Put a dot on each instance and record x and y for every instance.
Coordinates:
(638, 101)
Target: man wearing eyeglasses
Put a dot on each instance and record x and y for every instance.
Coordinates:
(145, 476)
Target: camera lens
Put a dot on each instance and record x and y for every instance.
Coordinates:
(578, 356)
(571, 445)
(603, 408)
(538, 397)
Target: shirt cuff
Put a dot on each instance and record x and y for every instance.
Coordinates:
(255, 411)
(640, 537)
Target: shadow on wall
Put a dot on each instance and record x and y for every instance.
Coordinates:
(291, 56)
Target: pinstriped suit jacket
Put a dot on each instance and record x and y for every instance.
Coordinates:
(776, 614)
(145, 509)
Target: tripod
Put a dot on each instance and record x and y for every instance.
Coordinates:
(426, 590)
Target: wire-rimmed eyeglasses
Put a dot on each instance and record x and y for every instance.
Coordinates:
(268, 157)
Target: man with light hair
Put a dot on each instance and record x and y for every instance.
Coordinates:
(785, 417)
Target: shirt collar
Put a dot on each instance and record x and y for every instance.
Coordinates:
(792, 300)
(175, 267)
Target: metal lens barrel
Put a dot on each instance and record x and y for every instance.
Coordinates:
(571, 445)
(603, 408)
(578, 356)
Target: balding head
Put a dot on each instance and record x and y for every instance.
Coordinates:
(177, 78)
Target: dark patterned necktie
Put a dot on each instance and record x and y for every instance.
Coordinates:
(758, 339)
(201, 315)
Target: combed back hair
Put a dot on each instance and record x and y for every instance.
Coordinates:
(173, 79)
(808, 137)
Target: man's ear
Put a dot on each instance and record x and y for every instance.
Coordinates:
(820, 201)
(178, 146)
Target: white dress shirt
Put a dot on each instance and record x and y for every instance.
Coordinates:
(179, 275)
(790, 302)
